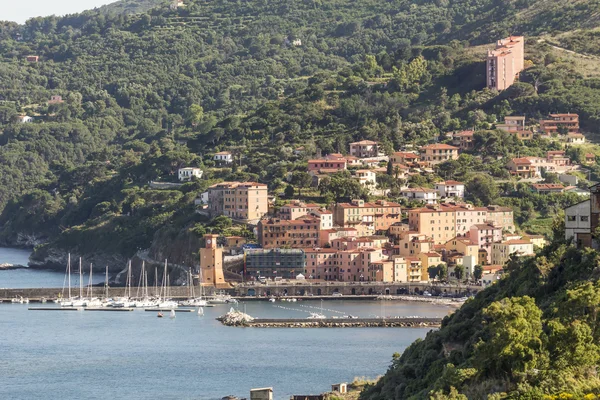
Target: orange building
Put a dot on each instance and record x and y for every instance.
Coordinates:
(246, 201)
(296, 209)
(404, 157)
(211, 262)
(464, 140)
(569, 122)
(505, 62)
(297, 233)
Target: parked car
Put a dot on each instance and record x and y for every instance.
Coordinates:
(337, 294)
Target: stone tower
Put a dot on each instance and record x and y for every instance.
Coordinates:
(211, 262)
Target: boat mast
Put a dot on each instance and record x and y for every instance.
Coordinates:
(91, 286)
(106, 284)
(80, 280)
(129, 281)
(69, 270)
(156, 282)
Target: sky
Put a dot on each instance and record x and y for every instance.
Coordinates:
(21, 10)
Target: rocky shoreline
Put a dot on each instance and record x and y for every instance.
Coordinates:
(7, 267)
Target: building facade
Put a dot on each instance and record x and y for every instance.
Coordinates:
(504, 63)
(245, 201)
(274, 263)
(367, 218)
(568, 123)
(453, 189)
(434, 154)
(186, 174)
(364, 149)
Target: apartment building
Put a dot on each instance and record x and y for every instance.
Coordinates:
(328, 165)
(425, 195)
(434, 154)
(296, 209)
(273, 263)
(446, 221)
(578, 223)
(412, 244)
(302, 232)
(344, 265)
(244, 201)
(501, 252)
(188, 173)
(428, 260)
(484, 236)
(353, 243)
(505, 62)
(568, 123)
(367, 218)
(366, 177)
(326, 236)
(364, 149)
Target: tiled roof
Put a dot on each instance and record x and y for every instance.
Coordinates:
(439, 146)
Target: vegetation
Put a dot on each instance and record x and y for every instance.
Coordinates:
(533, 335)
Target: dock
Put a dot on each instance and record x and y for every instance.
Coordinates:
(108, 309)
(170, 309)
(55, 308)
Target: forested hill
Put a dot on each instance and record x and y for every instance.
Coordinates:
(533, 335)
(147, 93)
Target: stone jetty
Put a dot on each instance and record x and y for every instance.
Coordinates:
(397, 322)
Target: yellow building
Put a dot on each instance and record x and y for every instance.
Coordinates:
(415, 269)
(367, 218)
(434, 154)
(211, 262)
(245, 201)
(428, 260)
(400, 269)
(463, 246)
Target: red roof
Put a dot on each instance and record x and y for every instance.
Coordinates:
(439, 146)
(450, 183)
(465, 134)
(521, 160)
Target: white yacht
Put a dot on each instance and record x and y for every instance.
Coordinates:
(316, 316)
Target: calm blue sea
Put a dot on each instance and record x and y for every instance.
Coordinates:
(134, 355)
(30, 278)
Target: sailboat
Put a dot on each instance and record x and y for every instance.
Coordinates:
(172, 314)
(221, 298)
(165, 302)
(145, 301)
(195, 301)
(92, 301)
(126, 301)
(318, 315)
(200, 311)
(79, 301)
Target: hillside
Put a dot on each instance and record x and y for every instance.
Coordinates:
(533, 335)
(130, 6)
(146, 94)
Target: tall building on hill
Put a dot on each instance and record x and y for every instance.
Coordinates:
(505, 62)
(245, 201)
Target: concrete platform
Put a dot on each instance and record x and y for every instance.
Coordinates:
(55, 308)
(108, 309)
(169, 309)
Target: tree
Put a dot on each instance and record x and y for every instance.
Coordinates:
(459, 272)
(301, 179)
(442, 272)
(478, 272)
(482, 189)
(195, 114)
(513, 338)
(289, 191)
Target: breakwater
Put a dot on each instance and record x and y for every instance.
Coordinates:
(397, 322)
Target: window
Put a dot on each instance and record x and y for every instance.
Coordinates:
(584, 218)
(571, 218)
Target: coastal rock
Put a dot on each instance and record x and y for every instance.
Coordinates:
(11, 266)
(48, 257)
(235, 318)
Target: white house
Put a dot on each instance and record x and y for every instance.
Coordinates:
(25, 119)
(450, 189)
(428, 196)
(501, 252)
(224, 157)
(366, 177)
(186, 174)
(577, 220)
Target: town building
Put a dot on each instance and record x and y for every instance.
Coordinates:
(513, 124)
(296, 209)
(425, 195)
(501, 252)
(567, 123)
(364, 149)
(25, 119)
(405, 158)
(32, 59)
(434, 154)
(55, 100)
(484, 235)
(453, 189)
(223, 157)
(523, 135)
(464, 140)
(302, 232)
(211, 262)
(575, 138)
(429, 260)
(330, 164)
(186, 174)
(274, 263)
(367, 218)
(504, 64)
(578, 224)
(547, 188)
(326, 236)
(522, 167)
(590, 158)
(245, 201)
(366, 177)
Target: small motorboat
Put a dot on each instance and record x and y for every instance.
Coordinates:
(272, 300)
(160, 315)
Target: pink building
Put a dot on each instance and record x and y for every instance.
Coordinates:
(296, 209)
(326, 236)
(330, 164)
(484, 235)
(336, 265)
(505, 62)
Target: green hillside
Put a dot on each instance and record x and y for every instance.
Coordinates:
(145, 94)
(533, 335)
